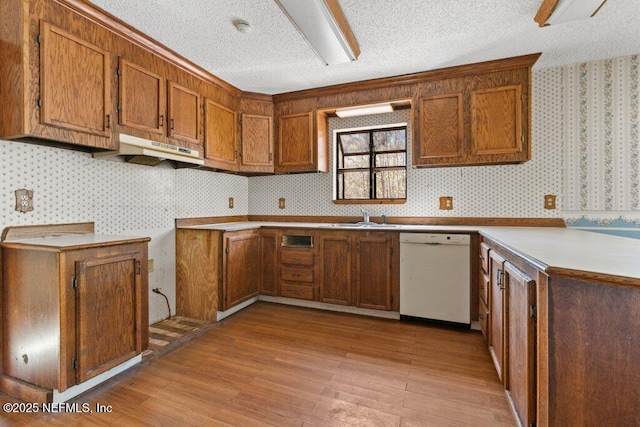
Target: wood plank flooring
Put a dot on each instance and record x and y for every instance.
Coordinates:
(278, 365)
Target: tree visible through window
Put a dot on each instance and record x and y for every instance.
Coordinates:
(372, 164)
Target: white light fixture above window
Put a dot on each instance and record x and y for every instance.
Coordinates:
(364, 110)
(553, 12)
(324, 27)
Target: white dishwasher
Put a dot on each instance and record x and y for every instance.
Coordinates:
(434, 277)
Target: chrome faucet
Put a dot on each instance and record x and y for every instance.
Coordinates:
(365, 216)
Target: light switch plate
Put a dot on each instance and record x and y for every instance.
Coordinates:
(24, 200)
(230, 202)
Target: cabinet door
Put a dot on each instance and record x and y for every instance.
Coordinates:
(440, 128)
(496, 121)
(295, 142)
(241, 262)
(335, 277)
(220, 136)
(106, 313)
(141, 98)
(521, 352)
(268, 262)
(497, 312)
(373, 272)
(256, 154)
(184, 113)
(74, 83)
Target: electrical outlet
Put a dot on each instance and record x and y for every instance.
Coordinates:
(230, 202)
(549, 201)
(281, 203)
(446, 203)
(24, 200)
(150, 265)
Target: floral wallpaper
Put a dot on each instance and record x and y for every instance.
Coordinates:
(601, 179)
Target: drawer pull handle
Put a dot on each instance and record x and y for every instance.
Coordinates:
(296, 258)
(481, 257)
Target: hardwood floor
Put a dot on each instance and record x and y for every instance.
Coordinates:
(278, 365)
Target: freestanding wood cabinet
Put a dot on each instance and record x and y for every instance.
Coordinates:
(73, 307)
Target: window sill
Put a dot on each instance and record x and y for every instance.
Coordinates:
(371, 202)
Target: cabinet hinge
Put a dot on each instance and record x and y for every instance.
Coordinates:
(38, 39)
(533, 425)
(117, 108)
(226, 250)
(117, 71)
(138, 267)
(270, 157)
(74, 282)
(38, 103)
(533, 311)
(500, 279)
(74, 363)
(391, 250)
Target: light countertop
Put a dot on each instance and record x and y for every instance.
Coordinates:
(545, 247)
(73, 241)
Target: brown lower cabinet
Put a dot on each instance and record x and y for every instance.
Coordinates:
(215, 270)
(71, 310)
(509, 313)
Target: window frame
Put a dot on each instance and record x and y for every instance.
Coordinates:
(372, 170)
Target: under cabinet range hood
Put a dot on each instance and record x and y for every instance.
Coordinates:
(146, 152)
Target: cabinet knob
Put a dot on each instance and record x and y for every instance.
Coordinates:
(161, 120)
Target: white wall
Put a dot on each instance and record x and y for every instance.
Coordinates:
(122, 199)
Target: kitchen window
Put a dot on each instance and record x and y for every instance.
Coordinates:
(371, 165)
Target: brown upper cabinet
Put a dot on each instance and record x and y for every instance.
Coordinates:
(184, 113)
(474, 120)
(144, 104)
(221, 149)
(256, 153)
(141, 98)
(56, 84)
(302, 143)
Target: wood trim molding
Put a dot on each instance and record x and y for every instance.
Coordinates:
(106, 20)
(50, 230)
(546, 9)
(525, 61)
(588, 276)
(187, 222)
(341, 20)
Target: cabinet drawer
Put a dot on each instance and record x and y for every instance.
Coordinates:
(485, 286)
(484, 257)
(483, 318)
(297, 274)
(296, 291)
(296, 258)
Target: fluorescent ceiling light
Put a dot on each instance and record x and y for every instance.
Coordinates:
(364, 110)
(553, 12)
(325, 28)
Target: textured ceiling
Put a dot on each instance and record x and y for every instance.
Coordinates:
(395, 36)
